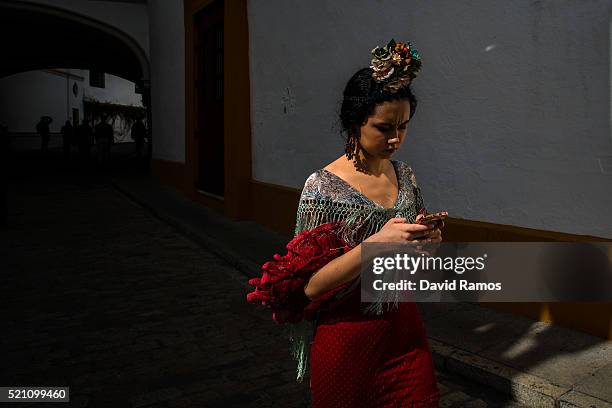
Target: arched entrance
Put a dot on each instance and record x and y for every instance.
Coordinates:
(35, 36)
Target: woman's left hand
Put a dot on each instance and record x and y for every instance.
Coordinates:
(434, 235)
(431, 240)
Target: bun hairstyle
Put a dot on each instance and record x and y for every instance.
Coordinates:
(360, 97)
(392, 69)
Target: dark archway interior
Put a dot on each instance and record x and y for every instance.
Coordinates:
(32, 40)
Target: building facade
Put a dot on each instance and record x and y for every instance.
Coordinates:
(511, 135)
(66, 95)
(505, 133)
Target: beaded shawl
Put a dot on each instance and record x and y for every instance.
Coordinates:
(327, 198)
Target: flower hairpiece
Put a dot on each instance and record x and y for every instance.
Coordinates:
(397, 61)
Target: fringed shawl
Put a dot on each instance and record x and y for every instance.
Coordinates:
(328, 198)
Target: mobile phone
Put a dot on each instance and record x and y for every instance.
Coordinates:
(433, 218)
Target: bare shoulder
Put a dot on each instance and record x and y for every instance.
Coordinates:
(337, 164)
(339, 167)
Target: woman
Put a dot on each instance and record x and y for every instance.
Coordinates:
(360, 356)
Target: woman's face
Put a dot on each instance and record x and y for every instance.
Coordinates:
(387, 124)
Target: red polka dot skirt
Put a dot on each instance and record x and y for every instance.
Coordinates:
(359, 360)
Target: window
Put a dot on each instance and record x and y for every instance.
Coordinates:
(96, 78)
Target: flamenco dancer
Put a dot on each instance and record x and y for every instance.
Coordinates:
(359, 354)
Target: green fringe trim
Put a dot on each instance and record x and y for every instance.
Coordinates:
(300, 335)
(358, 223)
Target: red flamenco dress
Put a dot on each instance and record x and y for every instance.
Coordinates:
(355, 360)
(358, 356)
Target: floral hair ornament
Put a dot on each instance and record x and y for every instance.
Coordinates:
(397, 61)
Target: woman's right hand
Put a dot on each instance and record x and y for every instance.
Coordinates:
(398, 230)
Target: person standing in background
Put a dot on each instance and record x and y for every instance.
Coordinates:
(43, 130)
(67, 136)
(84, 136)
(138, 134)
(104, 136)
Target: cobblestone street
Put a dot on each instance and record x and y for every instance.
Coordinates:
(101, 296)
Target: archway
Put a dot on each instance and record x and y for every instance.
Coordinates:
(37, 36)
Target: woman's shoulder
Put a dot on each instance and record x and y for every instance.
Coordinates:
(320, 178)
(314, 179)
(323, 184)
(405, 171)
(313, 183)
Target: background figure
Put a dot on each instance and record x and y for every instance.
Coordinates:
(43, 130)
(74, 142)
(139, 132)
(84, 136)
(104, 136)
(67, 138)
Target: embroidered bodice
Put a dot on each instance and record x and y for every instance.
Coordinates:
(326, 198)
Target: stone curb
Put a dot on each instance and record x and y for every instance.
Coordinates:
(575, 399)
(527, 389)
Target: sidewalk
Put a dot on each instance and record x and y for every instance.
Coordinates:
(535, 363)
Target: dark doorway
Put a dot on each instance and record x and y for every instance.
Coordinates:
(75, 117)
(208, 126)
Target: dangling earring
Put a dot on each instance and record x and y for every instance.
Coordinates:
(351, 144)
(352, 148)
(349, 147)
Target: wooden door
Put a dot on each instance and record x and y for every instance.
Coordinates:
(208, 126)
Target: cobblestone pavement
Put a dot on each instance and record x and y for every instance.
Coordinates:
(99, 295)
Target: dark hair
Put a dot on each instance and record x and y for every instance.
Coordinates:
(361, 96)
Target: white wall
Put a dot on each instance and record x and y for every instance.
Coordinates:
(25, 97)
(512, 125)
(167, 41)
(116, 90)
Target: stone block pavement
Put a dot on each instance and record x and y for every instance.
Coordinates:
(103, 297)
